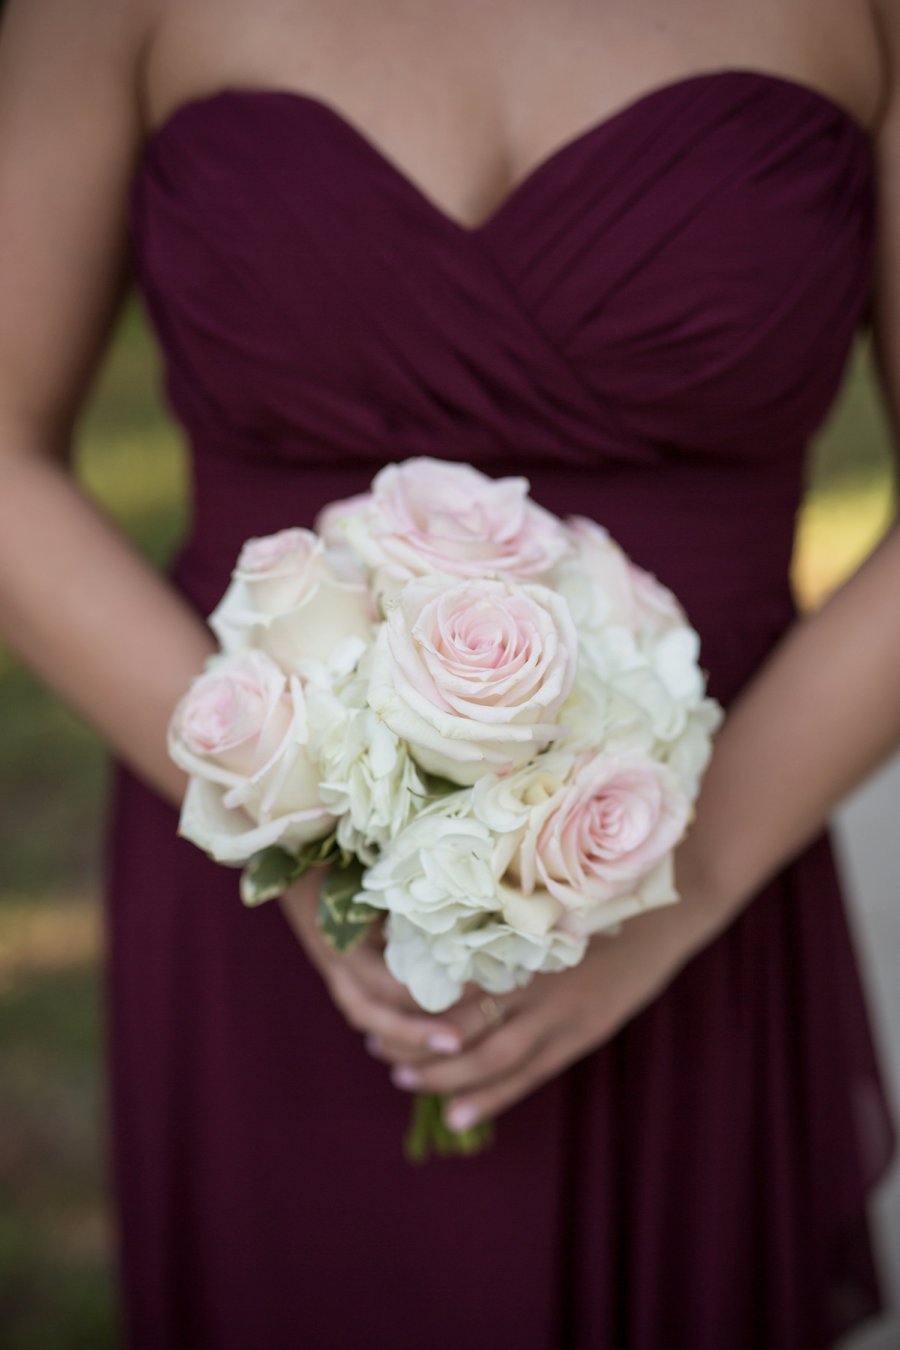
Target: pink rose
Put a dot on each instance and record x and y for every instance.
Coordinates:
(425, 515)
(278, 568)
(604, 586)
(240, 734)
(471, 674)
(656, 606)
(602, 843)
(286, 599)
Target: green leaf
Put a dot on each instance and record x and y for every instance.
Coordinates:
(344, 916)
(319, 851)
(341, 886)
(267, 874)
(270, 872)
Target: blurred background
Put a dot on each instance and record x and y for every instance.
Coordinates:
(56, 1291)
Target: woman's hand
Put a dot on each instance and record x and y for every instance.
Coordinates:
(554, 1020)
(360, 984)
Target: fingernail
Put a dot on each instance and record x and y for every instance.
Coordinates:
(461, 1117)
(444, 1042)
(405, 1077)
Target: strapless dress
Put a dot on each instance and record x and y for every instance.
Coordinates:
(650, 327)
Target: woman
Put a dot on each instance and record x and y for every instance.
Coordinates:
(622, 251)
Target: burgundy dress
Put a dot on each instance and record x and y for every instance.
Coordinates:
(650, 327)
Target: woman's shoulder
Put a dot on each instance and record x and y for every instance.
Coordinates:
(884, 31)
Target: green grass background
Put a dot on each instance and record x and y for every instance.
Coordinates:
(56, 1290)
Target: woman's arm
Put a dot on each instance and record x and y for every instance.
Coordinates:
(78, 602)
(824, 711)
(820, 714)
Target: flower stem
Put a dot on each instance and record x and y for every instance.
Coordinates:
(428, 1134)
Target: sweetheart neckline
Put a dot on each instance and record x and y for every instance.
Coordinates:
(571, 145)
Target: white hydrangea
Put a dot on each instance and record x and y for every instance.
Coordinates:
(649, 696)
(368, 778)
(451, 919)
(487, 952)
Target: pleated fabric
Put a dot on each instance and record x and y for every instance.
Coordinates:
(650, 327)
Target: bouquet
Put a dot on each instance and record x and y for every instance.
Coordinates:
(483, 722)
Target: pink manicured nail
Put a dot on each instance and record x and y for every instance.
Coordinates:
(461, 1117)
(405, 1077)
(444, 1042)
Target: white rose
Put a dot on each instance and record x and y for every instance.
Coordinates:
(505, 803)
(287, 598)
(240, 733)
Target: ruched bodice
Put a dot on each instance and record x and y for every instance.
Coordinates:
(663, 285)
(650, 326)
